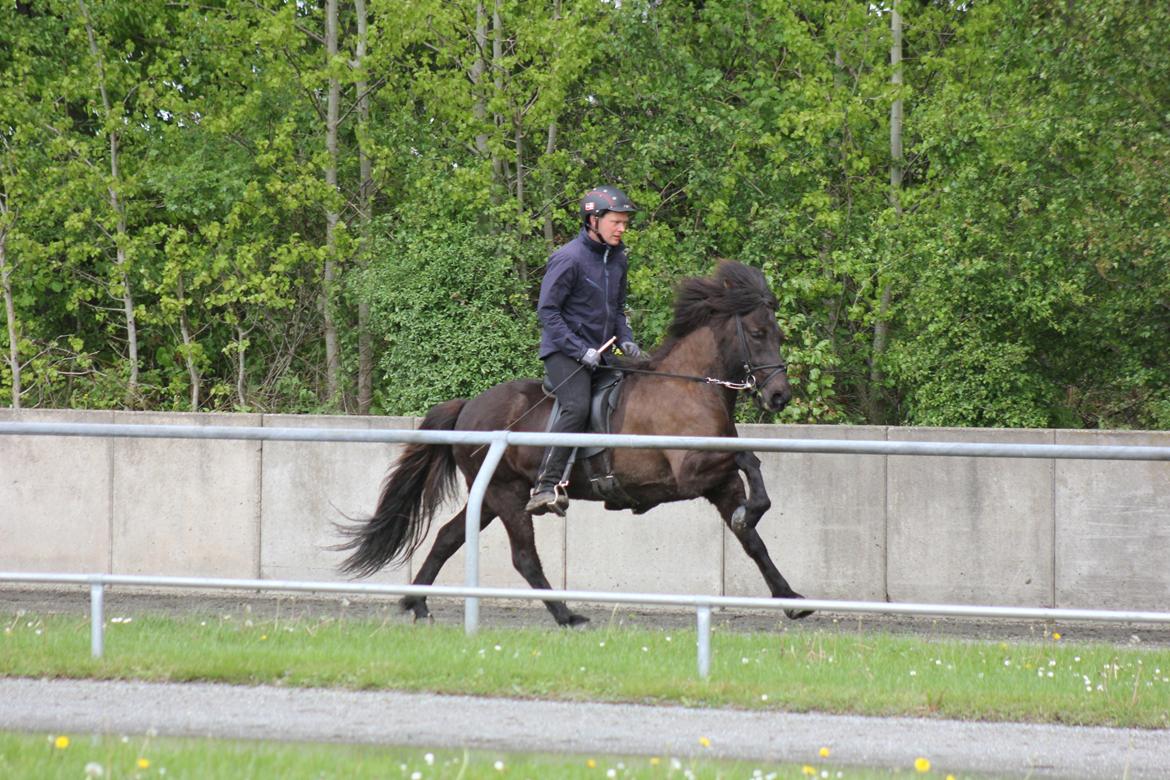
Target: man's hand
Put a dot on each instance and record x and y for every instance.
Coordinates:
(630, 349)
(591, 358)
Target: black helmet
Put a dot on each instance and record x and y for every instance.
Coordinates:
(602, 199)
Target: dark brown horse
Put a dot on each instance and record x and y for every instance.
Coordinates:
(724, 327)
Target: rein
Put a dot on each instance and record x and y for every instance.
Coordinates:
(749, 379)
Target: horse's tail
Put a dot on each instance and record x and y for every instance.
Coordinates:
(421, 480)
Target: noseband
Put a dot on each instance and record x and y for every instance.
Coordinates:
(749, 380)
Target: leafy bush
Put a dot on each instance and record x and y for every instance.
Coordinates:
(452, 317)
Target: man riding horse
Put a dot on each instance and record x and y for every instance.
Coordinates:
(581, 309)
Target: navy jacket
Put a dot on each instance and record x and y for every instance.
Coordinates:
(583, 298)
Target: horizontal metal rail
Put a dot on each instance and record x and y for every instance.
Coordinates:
(701, 604)
(532, 439)
(499, 440)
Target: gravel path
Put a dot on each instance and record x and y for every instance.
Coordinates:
(428, 720)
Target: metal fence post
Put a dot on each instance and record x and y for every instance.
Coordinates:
(703, 619)
(96, 619)
(471, 535)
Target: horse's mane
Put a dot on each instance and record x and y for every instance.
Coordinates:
(733, 289)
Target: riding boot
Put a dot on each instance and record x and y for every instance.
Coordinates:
(549, 494)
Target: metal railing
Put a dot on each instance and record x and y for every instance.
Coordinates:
(701, 604)
(498, 441)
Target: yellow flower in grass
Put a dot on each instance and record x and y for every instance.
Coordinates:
(61, 742)
(1055, 636)
(143, 763)
(655, 761)
(808, 770)
(824, 752)
(922, 765)
(591, 764)
(704, 742)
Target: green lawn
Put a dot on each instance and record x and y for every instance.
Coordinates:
(877, 674)
(73, 757)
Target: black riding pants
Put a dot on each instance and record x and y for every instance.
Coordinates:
(574, 384)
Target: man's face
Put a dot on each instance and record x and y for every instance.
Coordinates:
(610, 226)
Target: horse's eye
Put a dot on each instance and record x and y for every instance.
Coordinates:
(758, 333)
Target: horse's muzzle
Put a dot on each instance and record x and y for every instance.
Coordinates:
(777, 401)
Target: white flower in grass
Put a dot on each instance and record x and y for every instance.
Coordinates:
(430, 759)
(416, 775)
(94, 769)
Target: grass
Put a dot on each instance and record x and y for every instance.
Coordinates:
(1055, 681)
(52, 756)
(49, 757)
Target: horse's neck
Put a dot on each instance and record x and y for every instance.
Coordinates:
(696, 354)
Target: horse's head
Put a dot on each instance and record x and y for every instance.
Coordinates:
(740, 309)
(758, 355)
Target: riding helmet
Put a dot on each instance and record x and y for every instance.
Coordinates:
(602, 199)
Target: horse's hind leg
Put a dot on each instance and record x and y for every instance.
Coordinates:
(449, 539)
(730, 500)
(526, 560)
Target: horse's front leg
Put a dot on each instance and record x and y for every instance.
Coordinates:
(731, 498)
(748, 515)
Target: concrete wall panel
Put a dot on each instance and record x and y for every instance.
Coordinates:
(309, 486)
(55, 496)
(674, 548)
(970, 530)
(187, 507)
(1113, 526)
(827, 526)
(964, 530)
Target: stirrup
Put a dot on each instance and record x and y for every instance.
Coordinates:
(554, 499)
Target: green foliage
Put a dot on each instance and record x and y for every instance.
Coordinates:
(452, 318)
(1024, 265)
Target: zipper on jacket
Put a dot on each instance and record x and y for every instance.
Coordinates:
(605, 273)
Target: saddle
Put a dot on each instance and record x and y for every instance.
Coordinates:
(602, 402)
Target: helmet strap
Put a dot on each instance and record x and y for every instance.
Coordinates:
(590, 230)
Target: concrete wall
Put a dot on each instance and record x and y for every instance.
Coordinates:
(1090, 534)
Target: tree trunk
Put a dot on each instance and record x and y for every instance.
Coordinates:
(518, 265)
(188, 344)
(9, 306)
(241, 367)
(881, 328)
(550, 146)
(499, 165)
(478, 67)
(332, 352)
(119, 209)
(365, 378)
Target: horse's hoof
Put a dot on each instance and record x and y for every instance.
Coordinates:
(416, 605)
(797, 614)
(739, 519)
(576, 621)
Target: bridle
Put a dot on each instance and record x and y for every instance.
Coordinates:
(749, 382)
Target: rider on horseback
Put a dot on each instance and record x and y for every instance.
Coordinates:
(582, 306)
